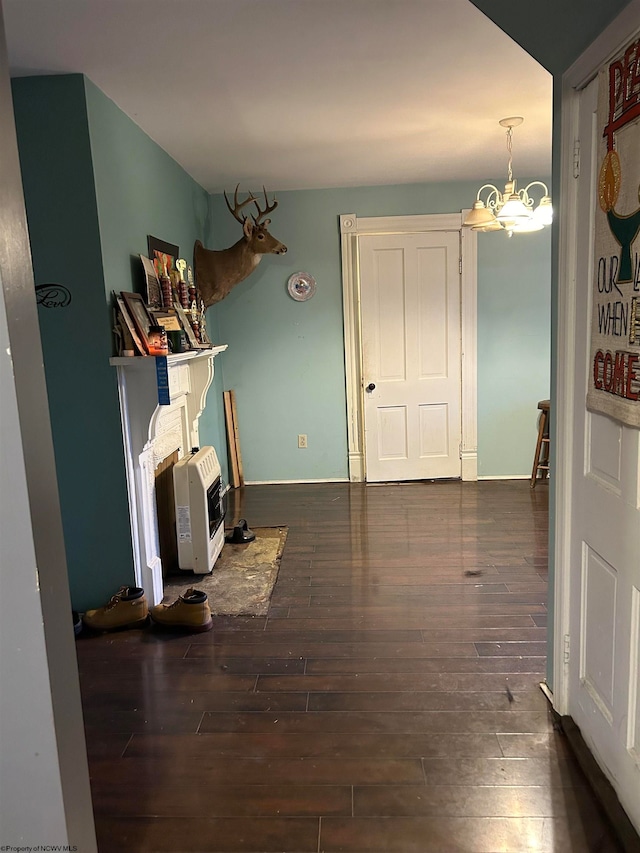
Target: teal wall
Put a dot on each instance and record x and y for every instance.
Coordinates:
(514, 332)
(95, 187)
(286, 359)
(55, 159)
(141, 190)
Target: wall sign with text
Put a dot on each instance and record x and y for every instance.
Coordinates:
(614, 384)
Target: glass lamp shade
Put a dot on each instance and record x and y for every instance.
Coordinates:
(479, 217)
(494, 225)
(513, 210)
(544, 211)
(526, 226)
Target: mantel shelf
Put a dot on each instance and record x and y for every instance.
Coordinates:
(179, 358)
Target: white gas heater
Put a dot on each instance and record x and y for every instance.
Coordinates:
(199, 511)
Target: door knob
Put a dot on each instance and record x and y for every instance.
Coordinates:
(371, 386)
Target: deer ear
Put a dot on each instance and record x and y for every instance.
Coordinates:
(248, 227)
(266, 222)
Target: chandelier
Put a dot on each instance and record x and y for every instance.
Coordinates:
(514, 211)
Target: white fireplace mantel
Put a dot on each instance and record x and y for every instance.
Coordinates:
(152, 432)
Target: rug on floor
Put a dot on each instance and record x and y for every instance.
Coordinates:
(242, 579)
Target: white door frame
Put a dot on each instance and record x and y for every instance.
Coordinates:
(602, 50)
(351, 228)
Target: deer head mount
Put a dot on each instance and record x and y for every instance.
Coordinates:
(217, 272)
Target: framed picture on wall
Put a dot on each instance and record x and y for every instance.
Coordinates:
(163, 255)
(140, 315)
(154, 293)
(127, 319)
(186, 325)
(166, 318)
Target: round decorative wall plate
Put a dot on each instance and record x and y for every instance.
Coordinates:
(301, 286)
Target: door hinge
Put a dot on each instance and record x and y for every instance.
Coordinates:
(567, 649)
(576, 158)
(460, 266)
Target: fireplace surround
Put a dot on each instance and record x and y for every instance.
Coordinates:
(150, 433)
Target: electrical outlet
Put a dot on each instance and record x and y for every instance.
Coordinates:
(302, 441)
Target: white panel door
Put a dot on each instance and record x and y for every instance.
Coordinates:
(410, 309)
(603, 696)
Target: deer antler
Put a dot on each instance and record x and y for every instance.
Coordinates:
(268, 208)
(237, 206)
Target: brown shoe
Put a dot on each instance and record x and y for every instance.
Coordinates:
(128, 608)
(190, 611)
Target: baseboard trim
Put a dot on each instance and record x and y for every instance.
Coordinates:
(356, 466)
(293, 482)
(601, 786)
(346, 480)
(469, 465)
(504, 476)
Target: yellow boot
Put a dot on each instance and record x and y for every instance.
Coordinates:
(128, 608)
(190, 611)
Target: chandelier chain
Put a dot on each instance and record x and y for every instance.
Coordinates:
(509, 142)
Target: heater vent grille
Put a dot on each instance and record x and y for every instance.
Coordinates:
(208, 466)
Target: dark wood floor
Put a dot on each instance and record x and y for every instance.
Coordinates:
(389, 702)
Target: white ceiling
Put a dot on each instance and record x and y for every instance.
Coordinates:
(302, 94)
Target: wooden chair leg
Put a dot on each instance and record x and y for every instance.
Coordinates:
(536, 458)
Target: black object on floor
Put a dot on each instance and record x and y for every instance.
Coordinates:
(241, 534)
